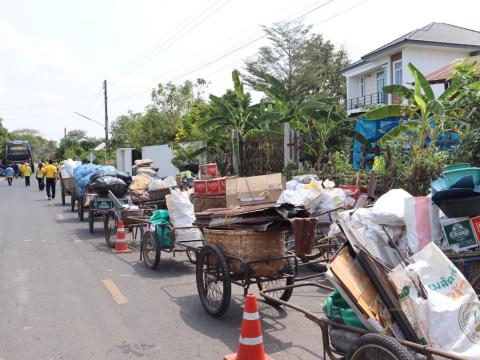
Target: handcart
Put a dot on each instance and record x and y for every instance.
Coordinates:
(132, 221)
(67, 186)
(468, 263)
(96, 205)
(243, 258)
(342, 341)
(152, 245)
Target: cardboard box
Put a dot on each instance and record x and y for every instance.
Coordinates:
(459, 232)
(476, 226)
(208, 171)
(216, 186)
(254, 190)
(200, 187)
(212, 187)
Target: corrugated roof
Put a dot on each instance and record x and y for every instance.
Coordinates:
(439, 34)
(442, 74)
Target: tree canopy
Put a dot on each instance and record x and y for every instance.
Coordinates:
(303, 61)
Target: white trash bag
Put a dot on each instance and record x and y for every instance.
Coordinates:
(182, 214)
(448, 315)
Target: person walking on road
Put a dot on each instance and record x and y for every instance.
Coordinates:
(15, 169)
(9, 172)
(27, 171)
(40, 177)
(51, 176)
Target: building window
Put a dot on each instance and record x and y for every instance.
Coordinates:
(362, 86)
(397, 72)
(381, 82)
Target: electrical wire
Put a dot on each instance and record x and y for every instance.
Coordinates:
(236, 49)
(176, 35)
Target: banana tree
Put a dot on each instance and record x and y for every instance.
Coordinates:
(422, 113)
(235, 118)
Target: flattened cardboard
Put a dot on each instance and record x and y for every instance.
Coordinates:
(253, 190)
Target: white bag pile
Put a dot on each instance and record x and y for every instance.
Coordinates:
(315, 195)
(67, 168)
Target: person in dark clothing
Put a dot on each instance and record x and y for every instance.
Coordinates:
(50, 172)
(16, 169)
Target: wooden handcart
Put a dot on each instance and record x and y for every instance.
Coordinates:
(67, 188)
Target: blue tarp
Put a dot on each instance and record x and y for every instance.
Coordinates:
(84, 172)
(374, 130)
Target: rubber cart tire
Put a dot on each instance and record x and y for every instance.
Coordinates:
(91, 220)
(80, 208)
(213, 281)
(151, 250)
(72, 201)
(285, 294)
(63, 196)
(110, 228)
(378, 347)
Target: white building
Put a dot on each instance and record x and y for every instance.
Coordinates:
(428, 48)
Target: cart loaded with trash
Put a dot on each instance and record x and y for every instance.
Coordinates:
(394, 294)
(67, 181)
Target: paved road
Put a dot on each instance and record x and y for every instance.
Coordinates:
(54, 303)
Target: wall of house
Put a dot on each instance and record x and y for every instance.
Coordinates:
(369, 72)
(428, 59)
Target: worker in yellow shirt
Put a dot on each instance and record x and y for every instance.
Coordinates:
(40, 176)
(50, 172)
(27, 171)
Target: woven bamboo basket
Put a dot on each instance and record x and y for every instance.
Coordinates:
(127, 217)
(158, 194)
(250, 246)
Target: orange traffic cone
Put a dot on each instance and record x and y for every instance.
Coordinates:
(121, 245)
(250, 345)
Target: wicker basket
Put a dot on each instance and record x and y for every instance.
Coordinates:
(250, 246)
(128, 214)
(158, 194)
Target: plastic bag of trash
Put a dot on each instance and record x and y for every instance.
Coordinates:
(422, 219)
(439, 302)
(182, 214)
(389, 209)
(125, 177)
(68, 167)
(166, 183)
(102, 185)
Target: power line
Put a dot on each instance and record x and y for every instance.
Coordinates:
(250, 42)
(177, 35)
(235, 49)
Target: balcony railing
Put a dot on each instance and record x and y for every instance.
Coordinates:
(362, 101)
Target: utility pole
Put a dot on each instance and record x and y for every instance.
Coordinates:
(65, 141)
(107, 147)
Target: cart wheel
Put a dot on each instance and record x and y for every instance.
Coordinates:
(91, 220)
(213, 281)
(151, 249)
(63, 196)
(110, 228)
(72, 202)
(474, 280)
(80, 208)
(285, 294)
(192, 256)
(377, 347)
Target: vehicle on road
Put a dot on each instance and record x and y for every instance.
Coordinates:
(19, 152)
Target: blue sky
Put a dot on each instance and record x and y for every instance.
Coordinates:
(55, 54)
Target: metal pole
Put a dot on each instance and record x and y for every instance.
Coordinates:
(106, 120)
(65, 141)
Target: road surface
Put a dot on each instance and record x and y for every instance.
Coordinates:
(64, 295)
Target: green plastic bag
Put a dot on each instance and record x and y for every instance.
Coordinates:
(337, 309)
(161, 220)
